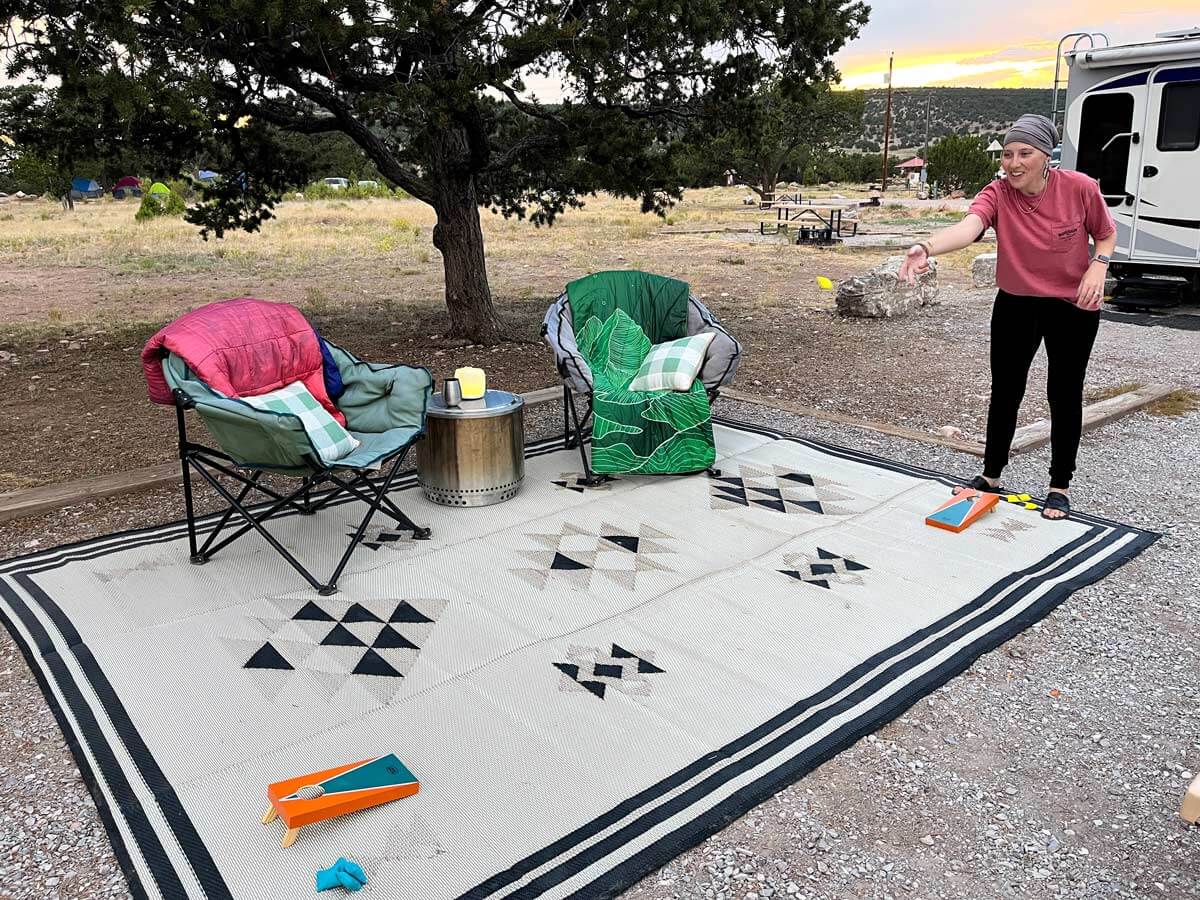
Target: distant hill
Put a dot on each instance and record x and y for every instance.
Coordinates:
(981, 111)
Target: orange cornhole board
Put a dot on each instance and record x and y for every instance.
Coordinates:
(334, 792)
(962, 509)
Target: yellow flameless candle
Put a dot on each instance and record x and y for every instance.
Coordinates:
(473, 382)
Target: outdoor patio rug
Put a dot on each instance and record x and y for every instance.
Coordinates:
(586, 683)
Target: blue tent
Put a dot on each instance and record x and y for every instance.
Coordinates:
(85, 189)
(207, 175)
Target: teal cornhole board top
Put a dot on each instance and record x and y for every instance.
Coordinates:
(386, 771)
(954, 515)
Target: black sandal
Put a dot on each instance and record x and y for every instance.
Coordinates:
(1059, 501)
(979, 483)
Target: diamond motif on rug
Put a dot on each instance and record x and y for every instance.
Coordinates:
(823, 569)
(779, 490)
(326, 646)
(576, 556)
(590, 670)
(1008, 530)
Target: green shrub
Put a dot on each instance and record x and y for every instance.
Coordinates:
(155, 205)
(319, 190)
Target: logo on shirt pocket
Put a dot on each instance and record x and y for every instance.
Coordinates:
(1064, 236)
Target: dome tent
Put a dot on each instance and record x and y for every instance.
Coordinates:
(127, 187)
(85, 189)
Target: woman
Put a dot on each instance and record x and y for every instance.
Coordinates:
(1050, 290)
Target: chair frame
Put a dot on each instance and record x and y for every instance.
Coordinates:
(208, 462)
(576, 434)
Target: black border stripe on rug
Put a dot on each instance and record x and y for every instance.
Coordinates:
(103, 807)
(44, 659)
(622, 811)
(667, 848)
(203, 866)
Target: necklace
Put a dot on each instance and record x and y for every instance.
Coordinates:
(1025, 206)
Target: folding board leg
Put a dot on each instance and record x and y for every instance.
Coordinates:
(289, 837)
(270, 815)
(1190, 811)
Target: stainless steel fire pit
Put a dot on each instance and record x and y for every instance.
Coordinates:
(474, 453)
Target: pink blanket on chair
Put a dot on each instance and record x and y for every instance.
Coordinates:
(241, 348)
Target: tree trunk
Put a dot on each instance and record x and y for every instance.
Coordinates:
(459, 238)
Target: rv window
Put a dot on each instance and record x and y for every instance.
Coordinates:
(1104, 116)
(1179, 117)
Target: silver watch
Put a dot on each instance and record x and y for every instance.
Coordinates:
(1100, 257)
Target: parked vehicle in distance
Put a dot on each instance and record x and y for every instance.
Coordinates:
(336, 183)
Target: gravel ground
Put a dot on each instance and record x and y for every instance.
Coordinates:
(1053, 768)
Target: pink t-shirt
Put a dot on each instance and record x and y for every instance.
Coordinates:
(1044, 253)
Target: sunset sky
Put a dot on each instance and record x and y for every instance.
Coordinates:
(972, 43)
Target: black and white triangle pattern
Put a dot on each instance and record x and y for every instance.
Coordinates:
(823, 569)
(319, 646)
(779, 490)
(590, 670)
(575, 556)
(379, 536)
(572, 481)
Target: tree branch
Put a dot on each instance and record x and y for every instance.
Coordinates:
(374, 146)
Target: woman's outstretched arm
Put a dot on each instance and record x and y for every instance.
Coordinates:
(955, 237)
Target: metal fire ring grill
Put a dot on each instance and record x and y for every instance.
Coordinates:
(473, 454)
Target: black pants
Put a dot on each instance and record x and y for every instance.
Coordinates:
(1019, 325)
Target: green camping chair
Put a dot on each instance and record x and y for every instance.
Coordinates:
(385, 410)
(600, 328)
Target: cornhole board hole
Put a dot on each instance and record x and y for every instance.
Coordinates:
(317, 796)
(962, 509)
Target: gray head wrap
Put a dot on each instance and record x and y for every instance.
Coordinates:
(1034, 130)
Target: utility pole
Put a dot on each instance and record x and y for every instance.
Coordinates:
(887, 123)
(925, 149)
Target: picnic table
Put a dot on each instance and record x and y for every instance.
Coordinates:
(814, 223)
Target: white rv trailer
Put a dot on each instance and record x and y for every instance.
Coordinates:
(1133, 123)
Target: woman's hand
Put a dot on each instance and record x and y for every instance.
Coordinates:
(916, 263)
(1091, 289)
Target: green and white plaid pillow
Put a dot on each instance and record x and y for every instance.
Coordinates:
(330, 439)
(672, 366)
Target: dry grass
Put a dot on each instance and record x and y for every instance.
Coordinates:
(1115, 390)
(97, 266)
(1176, 403)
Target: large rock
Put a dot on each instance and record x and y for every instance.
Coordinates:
(983, 270)
(880, 294)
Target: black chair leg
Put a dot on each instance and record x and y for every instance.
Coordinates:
(331, 587)
(590, 478)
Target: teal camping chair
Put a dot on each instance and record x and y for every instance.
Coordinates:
(385, 410)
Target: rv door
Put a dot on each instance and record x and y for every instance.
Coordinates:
(1108, 145)
(1167, 211)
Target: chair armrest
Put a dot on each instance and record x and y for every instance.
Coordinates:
(559, 333)
(379, 398)
(724, 353)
